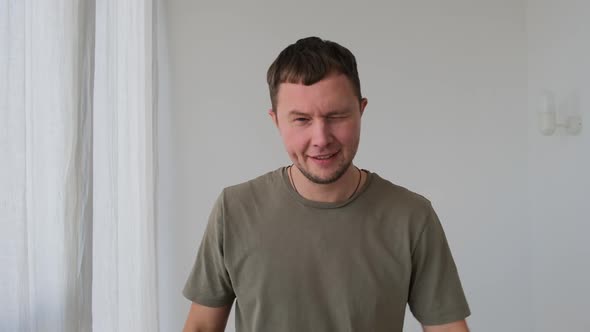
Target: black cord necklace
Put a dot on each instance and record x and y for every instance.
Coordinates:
(354, 192)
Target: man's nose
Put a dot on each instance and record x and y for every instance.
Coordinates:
(322, 135)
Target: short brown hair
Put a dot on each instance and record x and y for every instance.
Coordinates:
(308, 61)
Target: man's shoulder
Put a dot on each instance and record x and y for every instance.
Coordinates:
(265, 183)
(404, 206)
(393, 193)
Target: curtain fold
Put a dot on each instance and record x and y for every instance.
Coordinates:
(46, 175)
(124, 283)
(77, 242)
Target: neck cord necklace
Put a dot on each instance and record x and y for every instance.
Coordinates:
(354, 192)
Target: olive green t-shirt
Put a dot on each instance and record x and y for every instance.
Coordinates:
(294, 264)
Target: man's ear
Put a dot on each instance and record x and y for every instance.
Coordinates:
(364, 103)
(273, 116)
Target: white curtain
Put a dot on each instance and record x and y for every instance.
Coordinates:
(77, 242)
(124, 284)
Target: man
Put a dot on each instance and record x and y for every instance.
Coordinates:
(322, 245)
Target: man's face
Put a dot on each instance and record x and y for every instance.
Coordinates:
(320, 126)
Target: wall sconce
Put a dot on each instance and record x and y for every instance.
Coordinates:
(548, 118)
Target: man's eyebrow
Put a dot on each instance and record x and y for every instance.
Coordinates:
(338, 112)
(297, 113)
(331, 113)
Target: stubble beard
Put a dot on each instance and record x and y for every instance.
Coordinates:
(317, 180)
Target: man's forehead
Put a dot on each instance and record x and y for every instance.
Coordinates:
(327, 104)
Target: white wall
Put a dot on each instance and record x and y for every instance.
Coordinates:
(446, 83)
(559, 166)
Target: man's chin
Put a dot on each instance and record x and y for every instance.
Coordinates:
(324, 177)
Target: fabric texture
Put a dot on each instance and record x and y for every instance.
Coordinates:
(78, 166)
(46, 75)
(124, 285)
(293, 264)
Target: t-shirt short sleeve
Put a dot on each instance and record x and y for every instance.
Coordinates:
(436, 296)
(209, 283)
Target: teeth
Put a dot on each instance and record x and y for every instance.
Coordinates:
(325, 157)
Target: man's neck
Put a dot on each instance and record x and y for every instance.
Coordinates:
(337, 191)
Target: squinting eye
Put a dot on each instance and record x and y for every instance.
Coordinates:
(301, 119)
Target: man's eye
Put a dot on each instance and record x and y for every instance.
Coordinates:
(300, 119)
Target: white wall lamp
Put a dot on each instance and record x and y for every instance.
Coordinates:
(548, 118)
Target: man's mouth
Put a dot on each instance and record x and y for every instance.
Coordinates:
(324, 156)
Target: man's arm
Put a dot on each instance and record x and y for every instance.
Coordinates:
(206, 319)
(458, 326)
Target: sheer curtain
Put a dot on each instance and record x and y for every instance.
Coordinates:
(124, 287)
(77, 242)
